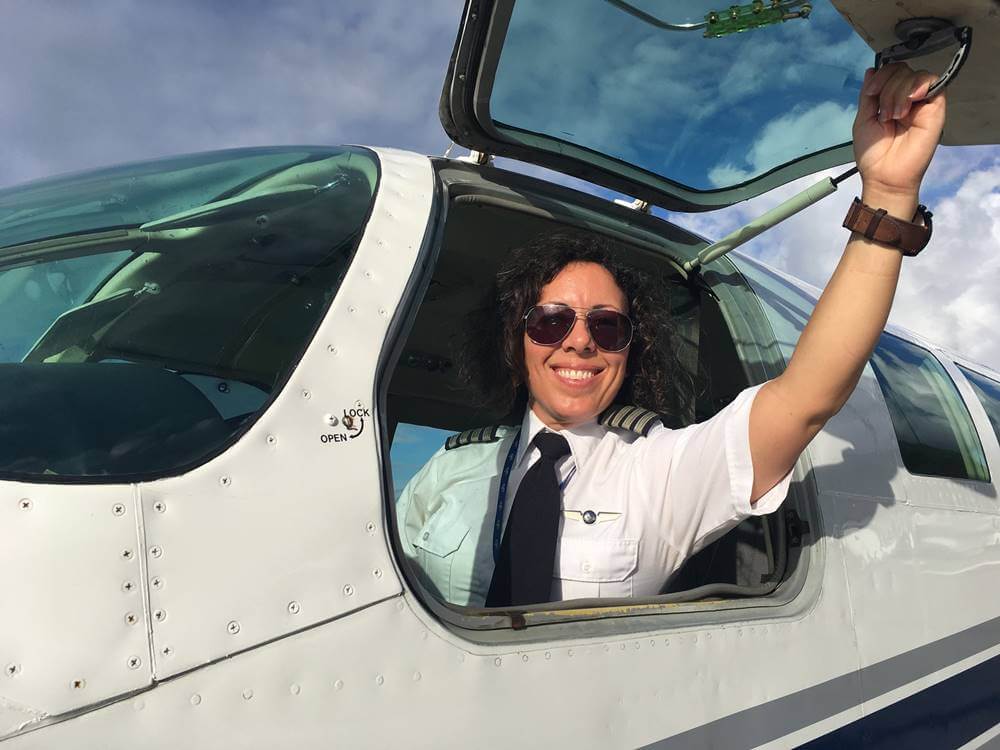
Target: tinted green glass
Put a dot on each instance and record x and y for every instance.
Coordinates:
(157, 343)
(935, 432)
(594, 80)
(988, 391)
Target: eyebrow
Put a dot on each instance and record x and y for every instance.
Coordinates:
(601, 306)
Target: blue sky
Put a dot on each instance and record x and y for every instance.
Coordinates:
(90, 84)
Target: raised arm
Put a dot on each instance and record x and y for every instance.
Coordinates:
(894, 139)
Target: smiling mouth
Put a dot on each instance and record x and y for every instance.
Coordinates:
(576, 376)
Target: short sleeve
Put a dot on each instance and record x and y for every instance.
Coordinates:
(705, 476)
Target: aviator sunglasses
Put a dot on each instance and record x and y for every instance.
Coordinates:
(547, 325)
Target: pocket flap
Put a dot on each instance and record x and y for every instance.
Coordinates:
(443, 533)
(597, 560)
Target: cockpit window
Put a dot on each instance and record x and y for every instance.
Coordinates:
(988, 391)
(149, 313)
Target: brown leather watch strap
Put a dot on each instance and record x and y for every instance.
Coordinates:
(906, 236)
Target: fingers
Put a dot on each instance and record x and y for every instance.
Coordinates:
(892, 91)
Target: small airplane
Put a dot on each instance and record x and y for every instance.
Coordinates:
(217, 372)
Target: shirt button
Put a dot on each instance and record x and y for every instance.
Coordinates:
(586, 566)
(427, 535)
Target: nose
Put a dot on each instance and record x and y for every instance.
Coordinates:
(579, 339)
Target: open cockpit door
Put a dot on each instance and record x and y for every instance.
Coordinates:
(690, 105)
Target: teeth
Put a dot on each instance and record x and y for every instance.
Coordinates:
(576, 374)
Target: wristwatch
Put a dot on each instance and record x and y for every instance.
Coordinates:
(906, 236)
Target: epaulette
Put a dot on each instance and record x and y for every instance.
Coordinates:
(476, 435)
(633, 418)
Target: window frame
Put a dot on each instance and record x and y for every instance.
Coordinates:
(791, 596)
(280, 383)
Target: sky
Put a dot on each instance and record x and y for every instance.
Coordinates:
(89, 84)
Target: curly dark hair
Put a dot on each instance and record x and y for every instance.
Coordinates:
(492, 361)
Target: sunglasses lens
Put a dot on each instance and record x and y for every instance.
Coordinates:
(611, 330)
(548, 324)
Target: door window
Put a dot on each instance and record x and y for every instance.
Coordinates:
(988, 391)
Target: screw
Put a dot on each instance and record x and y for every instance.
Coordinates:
(370, 526)
(294, 689)
(127, 586)
(155, 551)
(331, 419)
(156, 582)
(332, 349)
(348, 590)
(306, 394)
(379, 680)
(195, 700)
(118, 509)
(377, 573)
(131, 619)
(160, 615)
(79, 684)
(225, 481)
(134, 662)
(247, 694)
(233, 627)
(294, 608)
(25, 504)
(160, 507)
(223, 387)
(272, 440)
(126, 554)
(12, 669)
(167, 651)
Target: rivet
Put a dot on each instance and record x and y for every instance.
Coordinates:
(461, 76)
(272, 440)
(708, 636)
(127, 586)
(160, 615)
(294, 608)
(247, 694)
(416, 676)
(569, 652)
(498, 661)
(167, 650)
(652, 642)
(338, 685)
(636, 644)
(524, 657)
(294, 689)
(348, 590)
(332, 349)
(379, 680)
(666, 641)
(370, 527)
(381, 311)
(196, 700)
(225, 481)
(377, 573)
(156, 551)
(622, 646)
(12, 669)
(78, 684)
(134, 662)
(131, 619)
(548, 654)
(156, 582)
(233, 627)
(306, 394)
(160, 507)
(126, 554)
(261, 220)
(25, 504)
(352, 309)
(368, 274)
(118, 509)
(331, 420)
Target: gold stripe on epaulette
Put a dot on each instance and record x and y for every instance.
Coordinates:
(632, 418)
(476, 435)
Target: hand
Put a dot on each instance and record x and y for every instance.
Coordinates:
(894, 135)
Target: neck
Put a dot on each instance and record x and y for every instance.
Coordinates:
(556, 423)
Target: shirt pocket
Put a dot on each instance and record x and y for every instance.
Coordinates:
(437, 544)
(596, 567)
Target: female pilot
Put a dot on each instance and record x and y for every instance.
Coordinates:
(570, 505)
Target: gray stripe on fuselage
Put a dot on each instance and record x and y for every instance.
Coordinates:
(761, 724)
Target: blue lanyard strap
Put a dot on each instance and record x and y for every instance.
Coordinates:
(508, 465)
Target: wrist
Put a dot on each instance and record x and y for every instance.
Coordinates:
(899, 203)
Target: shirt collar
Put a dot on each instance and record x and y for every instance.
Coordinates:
(581, 438)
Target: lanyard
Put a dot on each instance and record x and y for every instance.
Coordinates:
(508, 464)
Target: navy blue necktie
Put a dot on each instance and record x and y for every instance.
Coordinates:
(523, 573)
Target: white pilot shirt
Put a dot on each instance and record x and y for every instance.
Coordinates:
(657, 499)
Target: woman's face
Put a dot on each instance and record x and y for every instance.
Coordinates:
(574, 381)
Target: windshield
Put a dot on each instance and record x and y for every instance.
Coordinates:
(155, 343)
(705, 113)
